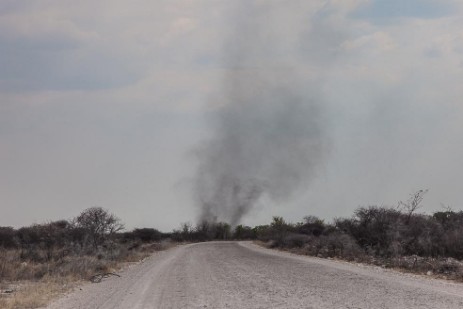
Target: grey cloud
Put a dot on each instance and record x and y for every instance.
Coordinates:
(382, 11)
(61, 65)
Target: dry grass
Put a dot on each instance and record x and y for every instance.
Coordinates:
(36, 294)
(32, 283)
(443, 268)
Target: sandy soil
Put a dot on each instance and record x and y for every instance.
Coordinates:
(243, 275)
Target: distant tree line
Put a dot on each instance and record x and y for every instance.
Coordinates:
(95, 229)
(372, 231)
(92, 243)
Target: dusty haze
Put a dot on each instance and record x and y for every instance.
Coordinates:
(269, 132)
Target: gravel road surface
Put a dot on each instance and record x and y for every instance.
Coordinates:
(243, 275)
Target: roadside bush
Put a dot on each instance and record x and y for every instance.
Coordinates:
(143, 234)
(262, 232)
(311, 226)
(244, 232)
(8, 237)
(295, 240)
(376, 228)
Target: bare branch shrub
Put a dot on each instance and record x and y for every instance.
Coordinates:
(98, 225)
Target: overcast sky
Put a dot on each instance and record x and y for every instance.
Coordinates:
(103, 103)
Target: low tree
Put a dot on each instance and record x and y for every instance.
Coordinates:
(279, 230)
(222, 231)
(98, 225)
(412, 204)
(7, 237)
(376, 228)
(146, 234)
(244, 232)
(311, 226)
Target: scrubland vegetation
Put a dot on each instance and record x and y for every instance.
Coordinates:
(43, 260)
(386, 237)
(394, 237)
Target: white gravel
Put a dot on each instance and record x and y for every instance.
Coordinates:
(243, 275)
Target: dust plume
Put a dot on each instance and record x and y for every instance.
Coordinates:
(269, 131)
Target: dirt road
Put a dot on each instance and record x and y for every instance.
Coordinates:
(243, 275)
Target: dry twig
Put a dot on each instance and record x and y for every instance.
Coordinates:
(98, 277)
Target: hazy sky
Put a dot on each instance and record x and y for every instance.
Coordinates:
(103, 103)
